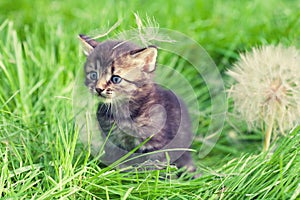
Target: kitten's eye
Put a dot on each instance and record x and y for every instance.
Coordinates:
(116, 79)
(93, 75)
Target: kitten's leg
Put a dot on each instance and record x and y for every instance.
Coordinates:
(186, 162)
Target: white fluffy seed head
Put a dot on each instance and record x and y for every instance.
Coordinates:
(267, 87)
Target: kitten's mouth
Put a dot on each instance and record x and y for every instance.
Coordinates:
(106, 98)
(105, 95)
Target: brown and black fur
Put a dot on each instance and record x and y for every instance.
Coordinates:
(136, 108)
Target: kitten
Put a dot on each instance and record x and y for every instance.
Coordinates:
(134, 108)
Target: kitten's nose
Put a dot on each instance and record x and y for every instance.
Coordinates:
(99, 90)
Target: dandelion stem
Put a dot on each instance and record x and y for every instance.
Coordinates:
(268, 135)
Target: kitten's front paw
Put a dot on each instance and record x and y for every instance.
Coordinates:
(192, 169)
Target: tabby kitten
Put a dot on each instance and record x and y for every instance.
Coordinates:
(134, 108)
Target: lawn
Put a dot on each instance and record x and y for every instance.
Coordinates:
(41, 58)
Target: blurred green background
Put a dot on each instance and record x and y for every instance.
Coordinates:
(40, 56)
(222, 27)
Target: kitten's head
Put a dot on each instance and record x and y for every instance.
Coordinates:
(116, 70)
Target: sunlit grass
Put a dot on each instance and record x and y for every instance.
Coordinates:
(40, 156)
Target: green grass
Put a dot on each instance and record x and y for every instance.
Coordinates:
(40, 56)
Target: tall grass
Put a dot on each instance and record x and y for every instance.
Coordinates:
(40, 156)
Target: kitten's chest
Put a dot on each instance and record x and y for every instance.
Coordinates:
(131, 129)
(128, 118)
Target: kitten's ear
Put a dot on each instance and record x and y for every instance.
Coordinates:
(147, 56)
(88, 44)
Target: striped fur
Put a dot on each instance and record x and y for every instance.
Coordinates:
(136, 108)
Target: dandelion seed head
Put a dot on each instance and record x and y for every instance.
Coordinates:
(267, 87)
